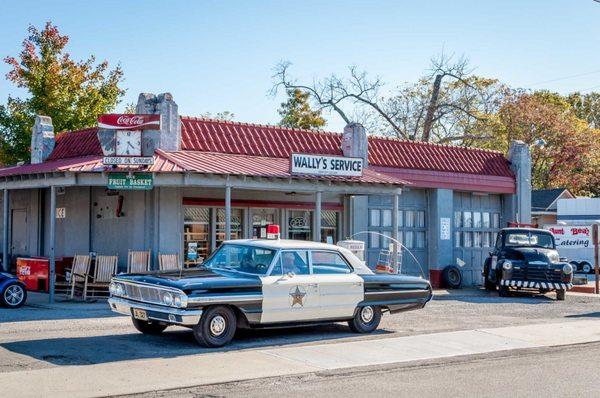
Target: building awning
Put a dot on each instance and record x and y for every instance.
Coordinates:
(199, 163)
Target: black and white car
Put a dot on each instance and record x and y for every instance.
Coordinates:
(265, 283)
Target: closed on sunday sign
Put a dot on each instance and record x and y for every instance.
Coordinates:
(326, 165)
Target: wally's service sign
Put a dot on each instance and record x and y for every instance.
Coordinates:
(326, 165)
(575, 237)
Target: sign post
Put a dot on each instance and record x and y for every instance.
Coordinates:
(596, 260)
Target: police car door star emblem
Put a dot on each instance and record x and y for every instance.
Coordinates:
(297, 296)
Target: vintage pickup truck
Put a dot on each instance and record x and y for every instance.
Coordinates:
(527, 259)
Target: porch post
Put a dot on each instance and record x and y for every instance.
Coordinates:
(395, 246)
(227, 212)
(52, 242)
(5, 231)
(317, 221)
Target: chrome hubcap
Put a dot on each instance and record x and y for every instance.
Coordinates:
(366, 314)
(14, 295)
(217, 325)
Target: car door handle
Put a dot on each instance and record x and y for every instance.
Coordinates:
(313, 285)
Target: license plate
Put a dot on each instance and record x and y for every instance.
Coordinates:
(140, 314)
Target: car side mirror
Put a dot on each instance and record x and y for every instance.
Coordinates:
(286, 276)
(491, 254)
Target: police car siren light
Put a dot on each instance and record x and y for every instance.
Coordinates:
(273, 231)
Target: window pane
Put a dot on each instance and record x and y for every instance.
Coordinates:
(477, 239)
(467, 239)
(486, 239)
(476, 219)
(457, 219)
(420, 240)
(467, 219)
(374, 241)
(329, 224)
(295, 262)
(457, 240)
(420, 219)
(385, 240)
(328, 263)
(387, 218)
(410, 218)
(236, 224)
(375, 218)
(400, 219)
(409, 239)
(496, 221)
(486, 220)
(300, 224)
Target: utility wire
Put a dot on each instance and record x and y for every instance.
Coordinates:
(564, 78)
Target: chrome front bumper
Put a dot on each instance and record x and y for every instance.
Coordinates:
(175, 316)
(536, 284)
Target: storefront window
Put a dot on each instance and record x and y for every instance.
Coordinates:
(236, 225)
(300, 224)
(386, 218)
(409, 239)
(400, 219)
(457, 219)
(260, 218)
(486, 220)
(196, 234)
(467, 219)
(420, 240)
(476, 219)
(329, 226)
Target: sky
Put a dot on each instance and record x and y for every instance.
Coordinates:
(215, 56)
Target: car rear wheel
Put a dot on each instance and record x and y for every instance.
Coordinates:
(14, 295)
(216, 327)
(366, 319)
(148, 327)
(560, 294)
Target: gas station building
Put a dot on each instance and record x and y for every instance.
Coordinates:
(213, 180)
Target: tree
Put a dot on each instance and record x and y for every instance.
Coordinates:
(226, 116)
(72, 92)
(439, 107)
(297, 113)
(571, 152)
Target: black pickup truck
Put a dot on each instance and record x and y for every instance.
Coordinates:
(527, 259)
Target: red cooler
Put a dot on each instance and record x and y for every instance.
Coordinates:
(33, 272)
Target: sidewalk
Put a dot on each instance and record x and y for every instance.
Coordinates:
(144, 375)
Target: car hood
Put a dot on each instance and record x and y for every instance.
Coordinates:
(531, 254)
(189, 280)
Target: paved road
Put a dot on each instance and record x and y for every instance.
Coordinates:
(34, 338)
(548, 372)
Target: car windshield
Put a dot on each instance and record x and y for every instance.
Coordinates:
(528, 238)
(241, 258)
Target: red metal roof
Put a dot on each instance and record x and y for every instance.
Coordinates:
(261, 149)
(274, 141)
(76, 144)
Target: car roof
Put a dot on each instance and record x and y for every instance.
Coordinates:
(278, 244)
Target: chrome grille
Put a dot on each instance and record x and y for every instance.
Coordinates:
(146, 294)
(536, 274)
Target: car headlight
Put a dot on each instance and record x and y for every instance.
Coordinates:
(507, 265)
(180, 300)
(567, 269)
(116, 289)
(167, 298)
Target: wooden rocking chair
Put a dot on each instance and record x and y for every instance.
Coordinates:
(79, 274)
(97, 285)
(168, 262)
(138, 261)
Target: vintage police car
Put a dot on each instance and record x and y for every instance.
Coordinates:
(526, 259)
(265, 283)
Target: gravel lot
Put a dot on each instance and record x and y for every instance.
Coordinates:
(79, 334)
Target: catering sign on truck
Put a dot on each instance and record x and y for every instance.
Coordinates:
(571, 236)
(575, 243)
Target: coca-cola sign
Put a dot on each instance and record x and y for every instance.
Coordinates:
(116, 121)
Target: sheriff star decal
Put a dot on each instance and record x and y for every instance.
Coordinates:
(297, 296)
